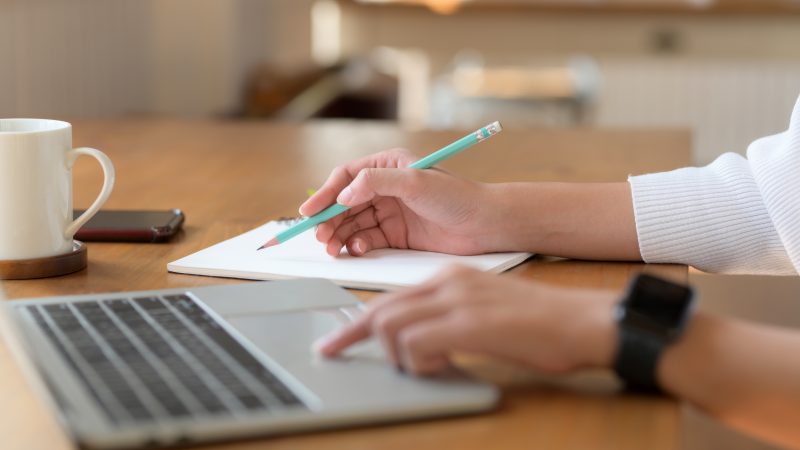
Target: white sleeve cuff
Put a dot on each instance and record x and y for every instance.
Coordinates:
(712, 218)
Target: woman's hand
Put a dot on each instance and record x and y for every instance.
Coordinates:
(392, 206)
(535, 325)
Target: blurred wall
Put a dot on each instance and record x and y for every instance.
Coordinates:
(89, 58)
(73, 57)
(730, 78)
(203, 50)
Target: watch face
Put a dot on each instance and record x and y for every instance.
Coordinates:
(657, 306)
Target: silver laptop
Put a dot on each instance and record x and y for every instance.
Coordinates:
(173, 367)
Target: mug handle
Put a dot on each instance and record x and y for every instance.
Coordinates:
(108, 183)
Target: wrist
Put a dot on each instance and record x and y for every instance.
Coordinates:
(601, 330)
(515, 224)
(595, 331)
(546, 217)
(574, 220)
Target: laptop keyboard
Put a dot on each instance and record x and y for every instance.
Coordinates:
(147, 358)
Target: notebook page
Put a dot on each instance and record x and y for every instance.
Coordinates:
(304, 257)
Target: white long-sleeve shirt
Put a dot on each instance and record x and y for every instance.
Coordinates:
(734, 216)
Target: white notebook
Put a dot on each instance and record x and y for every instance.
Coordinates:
(304, 257)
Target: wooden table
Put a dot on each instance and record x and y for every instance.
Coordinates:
(232, 176)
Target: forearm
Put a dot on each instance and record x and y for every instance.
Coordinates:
(746, 375)
(576, 220)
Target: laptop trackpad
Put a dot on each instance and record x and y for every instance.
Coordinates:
(286, 338)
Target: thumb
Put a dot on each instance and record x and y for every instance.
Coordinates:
(404, 184)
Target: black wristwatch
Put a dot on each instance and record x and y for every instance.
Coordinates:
(652, 316)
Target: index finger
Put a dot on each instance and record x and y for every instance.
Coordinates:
(326, 195)
(361, 328)
(346, 336)
(342, 176)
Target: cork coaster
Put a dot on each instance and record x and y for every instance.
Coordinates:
(51, 266)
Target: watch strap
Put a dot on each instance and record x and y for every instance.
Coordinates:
(636, 362)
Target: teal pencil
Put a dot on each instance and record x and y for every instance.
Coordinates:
(424, 163)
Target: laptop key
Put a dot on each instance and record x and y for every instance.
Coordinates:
(250, 401)
(149, 303)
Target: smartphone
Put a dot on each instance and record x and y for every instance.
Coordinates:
(130, 226)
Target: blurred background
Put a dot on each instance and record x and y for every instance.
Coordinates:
(727, 69)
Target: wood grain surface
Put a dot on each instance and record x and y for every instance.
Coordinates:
(231, 176)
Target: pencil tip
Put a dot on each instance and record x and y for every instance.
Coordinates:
(269, 243)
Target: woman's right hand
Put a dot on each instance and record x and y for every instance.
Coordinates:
(393, 206)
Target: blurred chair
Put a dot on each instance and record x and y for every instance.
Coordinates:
(354, 89)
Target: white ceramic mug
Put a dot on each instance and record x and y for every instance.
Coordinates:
(36, 158)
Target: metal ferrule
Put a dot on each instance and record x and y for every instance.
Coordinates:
(488, 131)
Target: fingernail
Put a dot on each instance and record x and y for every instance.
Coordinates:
(321, 344)
(399, 368)
(345, 196)
(358, 246)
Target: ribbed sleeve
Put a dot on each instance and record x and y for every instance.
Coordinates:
(735, 215)
(776, 169)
